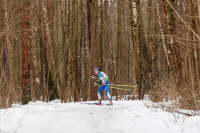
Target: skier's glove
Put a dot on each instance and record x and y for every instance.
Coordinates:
(98, 81)
(95, 84)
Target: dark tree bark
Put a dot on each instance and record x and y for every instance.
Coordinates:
(75, 43)
(141, 48)
(91, 12)
(25, 53)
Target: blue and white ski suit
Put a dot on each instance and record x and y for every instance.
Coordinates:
(105, 85)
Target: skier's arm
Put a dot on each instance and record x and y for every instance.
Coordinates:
(98, 80)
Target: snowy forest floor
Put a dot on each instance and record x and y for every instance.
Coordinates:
(122, 117)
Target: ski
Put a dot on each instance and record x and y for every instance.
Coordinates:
(98, 104)
(89, 103)
(109, 104)
(105, 104)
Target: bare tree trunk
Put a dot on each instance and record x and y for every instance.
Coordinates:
(35, 77)
(77, 98)
(198, 4)
(195, 52)
(101, 51)
(91, 5)
(118, 46)
(174, 51)
(142, 50)
(7, 51)
(162, 32)
(25, 53)
(135, 47)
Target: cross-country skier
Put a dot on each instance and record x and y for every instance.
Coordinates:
(105, 85)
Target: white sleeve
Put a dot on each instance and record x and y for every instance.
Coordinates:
(103, 77)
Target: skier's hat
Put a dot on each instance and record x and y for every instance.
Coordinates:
(96, 69)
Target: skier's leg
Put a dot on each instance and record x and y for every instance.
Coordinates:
(99, 94)
(108, 95)
(101, 88)
(107, 92)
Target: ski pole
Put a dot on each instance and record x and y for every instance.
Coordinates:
(123, 85)
(120, 88)
(116, 88)
(117, 85)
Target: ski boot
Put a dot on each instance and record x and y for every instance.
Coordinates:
(110, 102)
(99, 103)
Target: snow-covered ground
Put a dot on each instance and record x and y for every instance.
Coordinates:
(122, 117)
